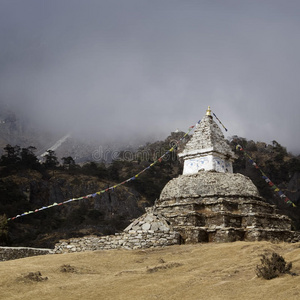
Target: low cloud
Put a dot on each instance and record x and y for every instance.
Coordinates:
(123, 71)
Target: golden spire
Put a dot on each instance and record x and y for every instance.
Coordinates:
(208, 112)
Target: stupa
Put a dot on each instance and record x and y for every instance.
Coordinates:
(210, 203)
(207, 203)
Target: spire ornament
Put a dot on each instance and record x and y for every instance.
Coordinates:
(208, 112)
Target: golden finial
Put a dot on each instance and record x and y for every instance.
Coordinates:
(208, 112)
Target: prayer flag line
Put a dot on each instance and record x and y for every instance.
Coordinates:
(266, 178)
(271, 184)
(220, 121)
(110, 188)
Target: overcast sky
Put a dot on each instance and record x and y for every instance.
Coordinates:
(130, 68)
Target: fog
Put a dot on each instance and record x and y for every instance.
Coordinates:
(128, 70)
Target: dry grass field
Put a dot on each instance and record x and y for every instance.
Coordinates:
(201, 271)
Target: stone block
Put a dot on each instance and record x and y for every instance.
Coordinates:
(146, 226)
(226, 235)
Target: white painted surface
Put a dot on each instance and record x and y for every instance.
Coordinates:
(206, 163)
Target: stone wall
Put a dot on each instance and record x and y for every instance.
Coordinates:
(10, 253)
(148, 231)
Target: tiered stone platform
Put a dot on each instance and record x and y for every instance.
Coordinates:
(204, 207)
(220, 207)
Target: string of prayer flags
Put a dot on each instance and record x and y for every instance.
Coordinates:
(112, 187)
(266, 178)
(191, 127)
(220, 121)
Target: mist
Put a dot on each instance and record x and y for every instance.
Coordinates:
(129, 70)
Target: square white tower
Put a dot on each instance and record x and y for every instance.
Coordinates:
(207, 149)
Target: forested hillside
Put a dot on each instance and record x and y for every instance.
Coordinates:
(280, 166)
(27, 184)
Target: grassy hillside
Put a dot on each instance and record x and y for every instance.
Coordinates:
(201, 271)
